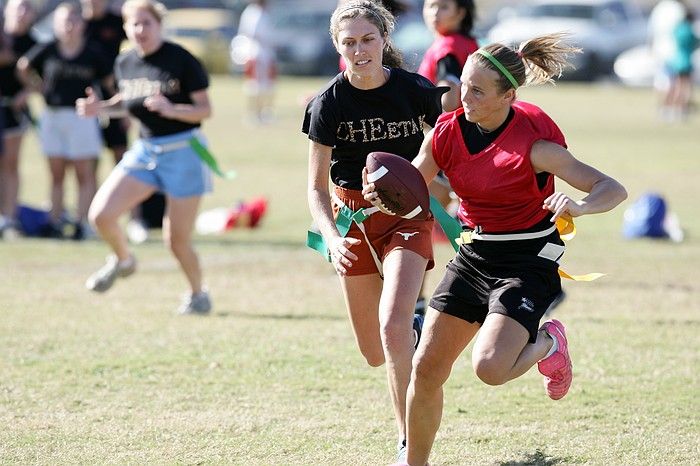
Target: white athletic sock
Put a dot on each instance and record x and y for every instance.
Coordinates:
(555, 345)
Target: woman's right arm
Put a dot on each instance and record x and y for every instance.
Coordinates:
(424, 161)
(91, 106)
(319, 199)
(27, 75)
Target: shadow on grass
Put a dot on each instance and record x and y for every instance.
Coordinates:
(538, 458)
(260, 315)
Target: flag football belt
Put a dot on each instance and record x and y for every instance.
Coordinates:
(467, 237)
(199, 149)
(343, 222)
(347, 216)
(453, 230)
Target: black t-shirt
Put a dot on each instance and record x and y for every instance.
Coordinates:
(170, 70)
(9, 84)
(108, 33)
(65, 79)
(355, 122)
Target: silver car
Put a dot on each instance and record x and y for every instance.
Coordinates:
(602, 28)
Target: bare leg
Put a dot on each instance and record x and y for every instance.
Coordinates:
(443, 340)
(178, 224)
(119, 193)
(501, 351)
(117, 154)
(362, 294)
(87, 185)
(57, 166)
(403, 276)
(9, 174)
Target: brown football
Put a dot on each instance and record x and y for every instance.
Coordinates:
(399, 185)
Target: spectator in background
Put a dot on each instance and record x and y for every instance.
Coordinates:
(165, 88)
(105, 29)
(451, 21)
(65, 68)
(259, 70)
(681, 66)
(663, 19)
(19, 18)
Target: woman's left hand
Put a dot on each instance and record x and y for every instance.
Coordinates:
(370, 194)
(158, 103)
(563, 206)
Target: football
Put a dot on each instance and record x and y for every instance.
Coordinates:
(399, 185)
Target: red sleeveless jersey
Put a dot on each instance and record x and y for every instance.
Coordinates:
(497, 186)
(456, 45)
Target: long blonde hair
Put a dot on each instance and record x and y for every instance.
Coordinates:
(536, 61)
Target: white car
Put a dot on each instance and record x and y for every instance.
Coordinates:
(602, 28)
(637, 67)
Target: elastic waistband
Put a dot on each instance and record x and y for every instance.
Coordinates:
(61, 108)
(353, 195)
(172, 137)
(171, 142)
(469, 236)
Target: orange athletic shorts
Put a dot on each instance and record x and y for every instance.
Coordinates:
(386, 233)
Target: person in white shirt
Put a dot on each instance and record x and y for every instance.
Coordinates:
(260, 69)
(663, 19)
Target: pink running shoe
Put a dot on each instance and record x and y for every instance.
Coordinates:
(557, 367)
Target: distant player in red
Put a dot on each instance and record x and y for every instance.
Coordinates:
(451, 21)
(501, 156)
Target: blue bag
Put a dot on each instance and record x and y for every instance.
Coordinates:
(645, 218)
(32, 221)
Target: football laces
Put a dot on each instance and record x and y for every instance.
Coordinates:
(382, 207)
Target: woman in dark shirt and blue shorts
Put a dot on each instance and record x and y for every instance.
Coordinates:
(165, 88)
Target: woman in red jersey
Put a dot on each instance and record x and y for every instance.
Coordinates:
(451, 21)
(501, 156)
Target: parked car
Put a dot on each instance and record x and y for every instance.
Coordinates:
(602, 28)
(205, 32)
(637, 67)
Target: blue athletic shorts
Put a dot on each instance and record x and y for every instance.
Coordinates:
(169, 164)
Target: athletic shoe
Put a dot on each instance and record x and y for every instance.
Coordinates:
(402, 452)
(103, 279)
(136, 231)
(557, 367)
(50, 230)
(420, 306)
(83, 231)
(418, 320)
(9, 230)
(195, 303)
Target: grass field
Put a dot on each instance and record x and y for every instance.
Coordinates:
(273, 376)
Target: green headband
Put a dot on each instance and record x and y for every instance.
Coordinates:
(498, 65)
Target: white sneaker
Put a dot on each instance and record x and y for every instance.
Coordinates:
(136, 231)
(103, 279)
(197, 303)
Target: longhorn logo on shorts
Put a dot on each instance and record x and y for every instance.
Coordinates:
(406, 236)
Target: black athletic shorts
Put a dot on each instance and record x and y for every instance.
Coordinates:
(516, 278)
(114, 134)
